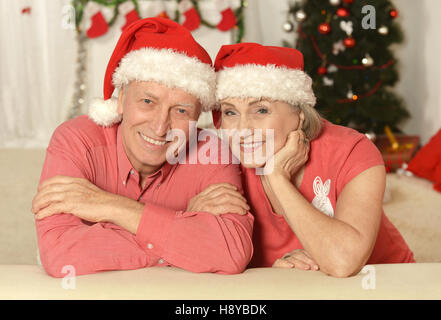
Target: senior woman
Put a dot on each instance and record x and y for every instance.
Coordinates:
(319, 205)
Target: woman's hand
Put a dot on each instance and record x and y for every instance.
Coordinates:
(299, 259)
(288, 160)
(218, 199)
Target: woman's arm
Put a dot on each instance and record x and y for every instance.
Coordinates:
(340, 245)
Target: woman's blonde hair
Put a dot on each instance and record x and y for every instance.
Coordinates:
(312, 126)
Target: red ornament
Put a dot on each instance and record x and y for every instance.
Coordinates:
(322, 70)
(393, 13)
(349, 42)
(342, 12)
(324, 28)
(348, 1)
(26, 10)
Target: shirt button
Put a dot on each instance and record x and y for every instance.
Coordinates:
(124, 183)
(149, 245)
(132, 171)
(161, 261)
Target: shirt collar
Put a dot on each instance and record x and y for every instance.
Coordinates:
(125, 167)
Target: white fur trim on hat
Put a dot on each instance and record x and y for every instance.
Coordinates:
(169, 67)
(104, 112)
(276, 83)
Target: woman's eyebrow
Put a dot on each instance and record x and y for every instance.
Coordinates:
(227, 104)
(257, 101)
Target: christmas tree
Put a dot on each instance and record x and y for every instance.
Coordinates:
(347, 51)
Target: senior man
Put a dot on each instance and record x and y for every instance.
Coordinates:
(109, 200)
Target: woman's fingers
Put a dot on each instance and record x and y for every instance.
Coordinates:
(282, 263)
(299, 259)
(303, 262)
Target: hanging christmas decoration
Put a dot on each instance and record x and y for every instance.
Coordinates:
(187, 14)
(349, 42)
(99, 24)
(337, 47)
(79, 94)
(347, 27)
(348, 1)
(393, 13)
(334, 2)
(332, 68)
(26, 10)
(192, 20)
(288, 26)
(342, 12)
(383, 30)
(228, 20)
(300, 16)
(324, 28)
(367, 61)
(322, 70)
(328, 82)
(129, 11)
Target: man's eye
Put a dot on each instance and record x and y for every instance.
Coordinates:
(148, 101)
(182, 111)
(229, 113)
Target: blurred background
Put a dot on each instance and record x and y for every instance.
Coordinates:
(375, 66)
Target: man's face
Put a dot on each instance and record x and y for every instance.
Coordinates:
(150, 110)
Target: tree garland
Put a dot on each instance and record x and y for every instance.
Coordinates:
(79, 6)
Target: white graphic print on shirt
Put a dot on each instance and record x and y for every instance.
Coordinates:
(321, 200)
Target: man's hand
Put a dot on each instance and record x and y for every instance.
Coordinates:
(299, 259)
(77, 196)
(218, 199)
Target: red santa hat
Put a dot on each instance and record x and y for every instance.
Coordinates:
(252, 70)
(161, 50)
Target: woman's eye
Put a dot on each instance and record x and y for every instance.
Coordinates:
(262, 110)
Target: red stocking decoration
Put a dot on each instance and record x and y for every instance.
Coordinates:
(192, 19)
(99, 25)
(228, 20)
(128, 9)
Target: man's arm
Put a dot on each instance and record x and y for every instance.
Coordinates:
(196, 241)
(65, 239)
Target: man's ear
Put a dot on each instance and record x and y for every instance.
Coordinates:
(121, 101)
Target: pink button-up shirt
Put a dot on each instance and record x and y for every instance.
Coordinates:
(166, 235)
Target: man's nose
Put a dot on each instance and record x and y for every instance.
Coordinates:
(161, 123)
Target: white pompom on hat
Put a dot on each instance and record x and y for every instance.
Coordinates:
(161, 50)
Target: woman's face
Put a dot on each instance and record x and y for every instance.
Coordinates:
(252, 117)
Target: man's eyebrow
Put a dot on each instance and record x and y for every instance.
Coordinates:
(150, 95)
(189, 105)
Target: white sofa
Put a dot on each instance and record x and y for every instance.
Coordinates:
(413, 206)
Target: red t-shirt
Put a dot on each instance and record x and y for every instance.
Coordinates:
(337, 155)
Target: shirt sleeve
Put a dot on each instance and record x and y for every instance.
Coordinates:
(200, 241)
(362, 156)
(65, 239)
